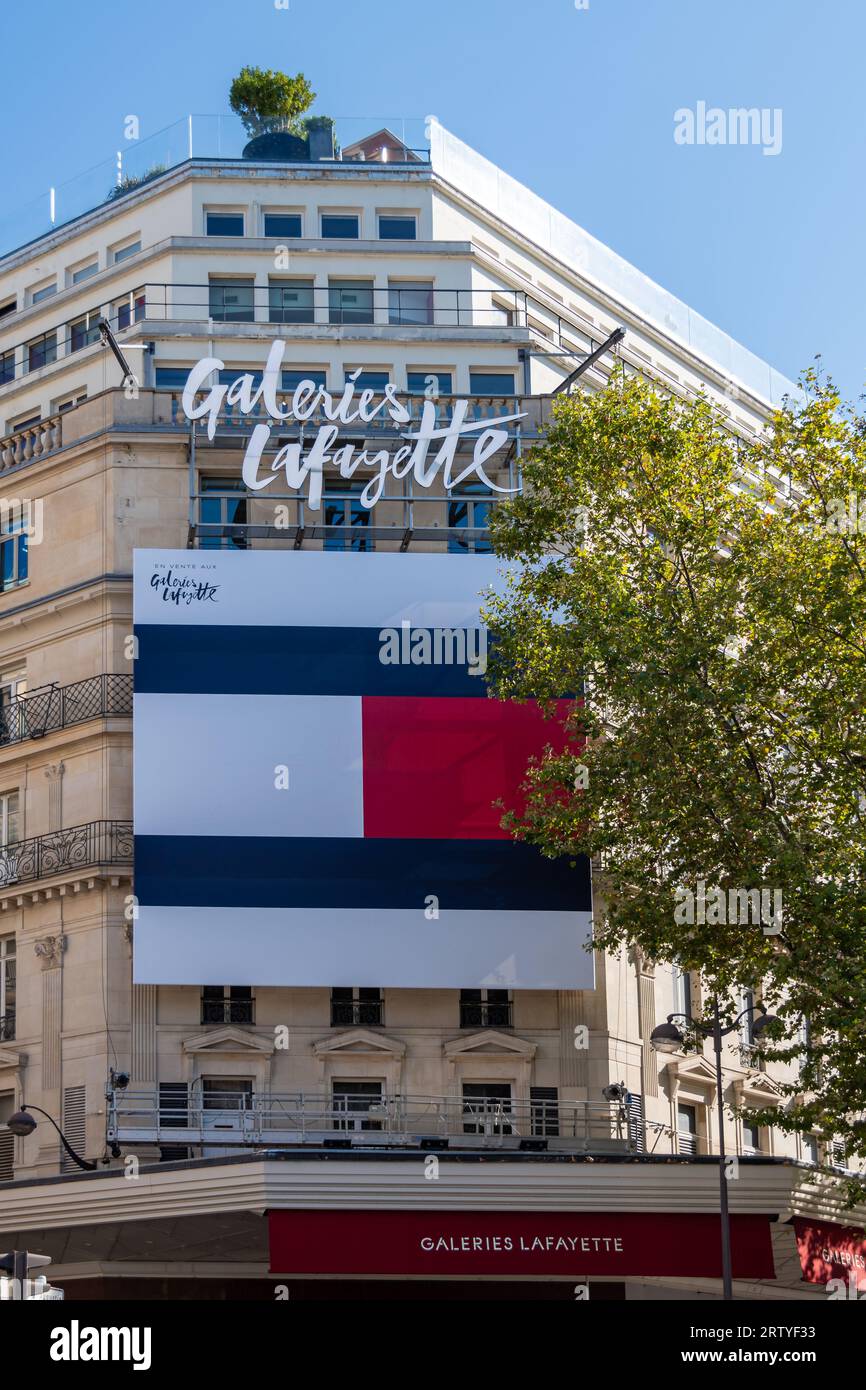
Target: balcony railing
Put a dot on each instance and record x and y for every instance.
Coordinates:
(50, 707)
(276, 1121)
(65, 851)
(7, 1027)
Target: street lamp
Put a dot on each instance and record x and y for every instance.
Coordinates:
(22, 1123)
(667, 1038)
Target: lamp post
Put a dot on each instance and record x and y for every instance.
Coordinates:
(668, 1038)
(22, 1123)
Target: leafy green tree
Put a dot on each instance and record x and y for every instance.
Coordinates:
(269, 100)
(708, 596)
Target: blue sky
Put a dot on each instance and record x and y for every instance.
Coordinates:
(577, 103)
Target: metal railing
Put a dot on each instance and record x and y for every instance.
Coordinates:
(314, 1118)
(239, 300)
(228, 1011)
(7, 1028)
(50, 707)
(64, 851)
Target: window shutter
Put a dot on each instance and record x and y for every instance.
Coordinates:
(636, 1132)
(544, 1111)
(173, 1114)
(74, 1126)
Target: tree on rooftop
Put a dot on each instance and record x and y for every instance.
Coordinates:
(716, 618)
(266, 100)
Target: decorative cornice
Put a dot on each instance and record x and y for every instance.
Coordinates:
(490, 1042)
(357, 1042)
(229, 1040)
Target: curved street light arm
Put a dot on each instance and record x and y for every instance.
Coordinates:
(89, 1165)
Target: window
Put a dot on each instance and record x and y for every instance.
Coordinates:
(13, 547)
(371, 381)
(129, 310)
(227, 1004)
(224, 223)
(287, 224)
(69, 402)
(431, 383)
(485, 1008)
(350, 301)
(122, 253)
(44, 292)
(223, 518)
(8, 306)
(291, 301)
(84, 331)
(486, 1107)
(26, 423)
(393, 228)
(343, 508)
(223, 1098)
(171, 378)
(544, 1111)
(682, 982)
(7, 367)
(751, 1139)
(469, 510)
(809, 1148)
(84, 272)
(40, 351)
(7, 988)
(491, 383)
(8, 818)
(12, 687)
(340, 225)
(231, 301)
(410, 302)
(291, 380)
(352, 1101)
(359, 1007)
(687, 1129)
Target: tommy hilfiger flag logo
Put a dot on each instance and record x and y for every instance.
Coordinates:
(310, 778)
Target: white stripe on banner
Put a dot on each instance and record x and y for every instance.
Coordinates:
(265, 588)
(368, 947)
(272, 765)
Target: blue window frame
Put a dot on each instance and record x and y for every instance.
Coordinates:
(7, 367)
(13, 548)
(287, 224)
(338, 225)
(84, 331)
(225, 224)
(437, 383)
(348, 513)
(290, 380)
(172, 378)
(469, 510)
(372, 381)
(398, 228)
(41, 351)
(491, 383)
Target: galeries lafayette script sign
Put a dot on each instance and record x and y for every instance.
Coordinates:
(430, 449)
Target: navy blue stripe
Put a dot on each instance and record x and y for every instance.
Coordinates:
(230, 871)
(228, 660)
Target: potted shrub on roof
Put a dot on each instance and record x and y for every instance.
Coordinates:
(271, 105)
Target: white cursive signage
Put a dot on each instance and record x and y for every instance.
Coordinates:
(414, 457)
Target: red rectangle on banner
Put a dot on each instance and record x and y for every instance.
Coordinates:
(828, 1251)
(515, 1243)
(433, 767)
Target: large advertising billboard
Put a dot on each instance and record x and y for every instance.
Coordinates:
(319, 780)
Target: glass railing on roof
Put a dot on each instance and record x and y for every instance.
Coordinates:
(388, 139)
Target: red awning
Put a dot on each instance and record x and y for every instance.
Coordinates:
(543, 1244)
(828, 1251)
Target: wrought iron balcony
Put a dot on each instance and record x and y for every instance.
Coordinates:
(50, 707)
(7, 1027)
(194, 1121)
(79, 847)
